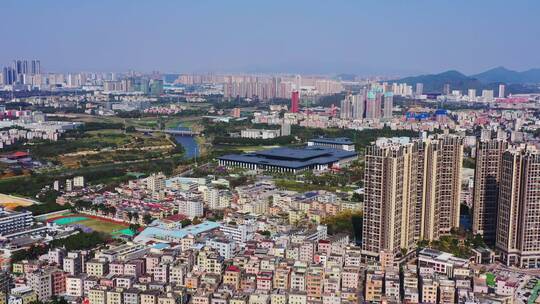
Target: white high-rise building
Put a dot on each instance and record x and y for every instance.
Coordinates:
(69, 185)
(285, 129)
(191, 209)
(501, 91)
(357, 102)
(419, 89)
(155, 182)
(215, 198)
(388, 105)
(41, 282)
(78, 181)
(487, 95)
(211, 198)
(239, 232)
(345, 108)
(225, 247)
(472, 94)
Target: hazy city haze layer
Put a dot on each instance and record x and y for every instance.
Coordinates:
(364, 37)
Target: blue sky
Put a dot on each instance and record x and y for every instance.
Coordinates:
(362, 36)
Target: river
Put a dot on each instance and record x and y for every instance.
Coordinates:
(189, 143)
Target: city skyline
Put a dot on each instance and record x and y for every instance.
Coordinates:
(283, 152)
(300, 37)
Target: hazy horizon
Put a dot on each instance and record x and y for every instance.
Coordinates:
(394, 38)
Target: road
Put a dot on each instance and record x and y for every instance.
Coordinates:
(192, 168)
(170, 131)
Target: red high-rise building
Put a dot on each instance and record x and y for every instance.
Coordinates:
(295, 102)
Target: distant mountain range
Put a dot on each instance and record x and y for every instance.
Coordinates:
(516, 82)
(502, 74)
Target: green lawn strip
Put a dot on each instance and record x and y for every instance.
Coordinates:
(534, 294)
(304, 187)
(491, 279)
(101, 226)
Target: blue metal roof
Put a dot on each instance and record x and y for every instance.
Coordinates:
(289, 153)
(441, 112)
(161, 246)
(160, 232)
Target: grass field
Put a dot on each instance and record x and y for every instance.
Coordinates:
(102, 226)
(11, 202)
(109, 145)
(143, 122)
(95, 224)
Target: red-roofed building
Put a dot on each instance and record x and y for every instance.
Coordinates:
(18, 155)
(264, 281)
(324, 246)
(233, 268)
(176, 217)
(232, 276)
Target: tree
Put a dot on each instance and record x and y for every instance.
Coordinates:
(147, 218)
(422, 244)
(478, 241)
(80, 241)
(49, 196)
(469, 162)
(30, 254)
(196, 221)
(348, 222)
(185, 222)
(134, 227)
(356, 197)
(265, 233)
(403, 251)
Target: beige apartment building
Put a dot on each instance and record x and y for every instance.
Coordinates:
(487, 174)
(74, 286)
(390, 195)
(441, 182)
(114, 296)
(97, 268)
(518, 226)
(412, 192)
(97, 295)
(374, 286)
(429, 288)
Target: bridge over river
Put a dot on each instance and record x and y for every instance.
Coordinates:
(185, 132)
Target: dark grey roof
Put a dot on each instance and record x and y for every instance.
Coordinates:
(290, 154)
(292, 158)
